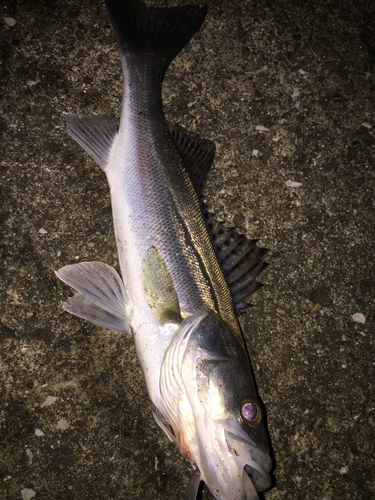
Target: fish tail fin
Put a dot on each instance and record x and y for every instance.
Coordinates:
(162, 32)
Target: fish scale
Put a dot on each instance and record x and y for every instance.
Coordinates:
(169, 216)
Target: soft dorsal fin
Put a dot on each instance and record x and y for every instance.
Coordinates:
(102, 297)
(240, 260)
(197, 155)
(158, 285)
(95, 134)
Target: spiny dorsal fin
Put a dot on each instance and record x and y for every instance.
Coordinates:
(158, 285)
(95, 134)
(197, 155)
(102, 297)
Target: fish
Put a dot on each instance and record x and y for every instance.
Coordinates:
(185, 278)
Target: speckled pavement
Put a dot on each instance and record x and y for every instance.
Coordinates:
(286, 90)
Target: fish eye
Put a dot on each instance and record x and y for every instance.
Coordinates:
(251, 412)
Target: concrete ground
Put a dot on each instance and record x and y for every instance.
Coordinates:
(286, 90)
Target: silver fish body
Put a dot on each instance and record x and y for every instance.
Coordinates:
(173, 296)
(154, 204)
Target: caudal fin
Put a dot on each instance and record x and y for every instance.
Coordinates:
(162, 32)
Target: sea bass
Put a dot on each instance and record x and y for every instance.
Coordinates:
(184, 279)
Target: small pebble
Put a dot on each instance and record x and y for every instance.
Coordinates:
(30, 455)
(49, 401)
(295, 93)
(359, 318)
(261, 128)
(293, 184)
(62, 424)
(28, 494)
(9, 21)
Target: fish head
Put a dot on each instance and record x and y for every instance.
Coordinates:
(219, 420)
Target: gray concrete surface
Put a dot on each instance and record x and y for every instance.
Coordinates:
(306, 72)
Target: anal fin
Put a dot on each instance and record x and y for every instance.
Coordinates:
(95, 134)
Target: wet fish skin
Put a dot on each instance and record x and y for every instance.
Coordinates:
(176, 302)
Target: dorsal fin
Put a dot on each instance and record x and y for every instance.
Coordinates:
(240, 258)
(197, 155)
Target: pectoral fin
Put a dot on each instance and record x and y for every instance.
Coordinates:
(160, 292)
(102, 297)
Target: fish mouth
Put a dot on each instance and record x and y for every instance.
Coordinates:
(250, 490)
(261, 480)
(257, 465)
